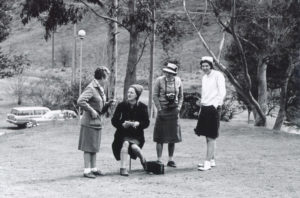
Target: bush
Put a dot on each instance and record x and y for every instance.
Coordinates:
(191, 106)
(55, 92)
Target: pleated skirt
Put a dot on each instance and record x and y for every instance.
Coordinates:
(167, 127)
(208, 122)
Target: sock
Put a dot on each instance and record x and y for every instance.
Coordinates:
(170, 158)
(94, 169)
(86, 170)
(159, 159)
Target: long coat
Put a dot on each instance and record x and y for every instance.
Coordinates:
(124, 112)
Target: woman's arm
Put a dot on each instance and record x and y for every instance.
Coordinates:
(156, 94)
(144, 117)
(180, 95)
(116, 119)
(83, 99)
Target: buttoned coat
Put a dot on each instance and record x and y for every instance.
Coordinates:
(92, 98)
(122, 113)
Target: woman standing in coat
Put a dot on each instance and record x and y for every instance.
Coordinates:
(92, 101)
(130, 119)
(168, 97)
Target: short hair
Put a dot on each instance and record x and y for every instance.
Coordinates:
(206, 61)
(101, 73)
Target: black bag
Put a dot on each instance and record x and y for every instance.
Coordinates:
(155, 167)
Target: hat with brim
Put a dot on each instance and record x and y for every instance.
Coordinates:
(170, 68)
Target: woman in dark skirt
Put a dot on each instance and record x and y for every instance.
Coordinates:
(130, 119)
(212, 96)
(93, 102)
(168, 97)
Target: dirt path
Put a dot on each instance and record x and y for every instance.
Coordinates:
(251, 162)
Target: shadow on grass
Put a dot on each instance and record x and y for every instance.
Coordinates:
(132, 174)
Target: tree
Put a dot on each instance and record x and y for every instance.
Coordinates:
(135, 17)
(243, 90)
(272, 27)
(5, 19)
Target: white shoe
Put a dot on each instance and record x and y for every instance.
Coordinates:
(212, 163)
(206, 166)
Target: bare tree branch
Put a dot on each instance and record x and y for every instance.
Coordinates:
(245, 94)
(143, 48)
(106, 18)
(221, 46)
(226, 28)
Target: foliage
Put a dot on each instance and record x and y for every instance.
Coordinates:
(10, 66)
(55, 93)
(169, 32)
(51, 13)
(274, 29)
(5, 19)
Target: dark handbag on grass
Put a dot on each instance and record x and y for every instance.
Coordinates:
(155, 167)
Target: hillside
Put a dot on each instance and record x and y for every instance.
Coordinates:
(30, 40)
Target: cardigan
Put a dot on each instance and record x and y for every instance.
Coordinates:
(124, 112)
(159, 92)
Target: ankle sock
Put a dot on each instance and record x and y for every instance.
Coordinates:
(86, 170)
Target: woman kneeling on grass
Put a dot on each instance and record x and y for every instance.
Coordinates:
(130, 119)
(93, 102)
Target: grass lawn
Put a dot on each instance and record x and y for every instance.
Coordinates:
(251, 162)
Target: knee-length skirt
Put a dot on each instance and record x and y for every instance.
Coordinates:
(167, 127)
(208, 122)
(89, 139)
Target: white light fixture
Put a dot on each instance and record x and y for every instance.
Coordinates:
(81, 34)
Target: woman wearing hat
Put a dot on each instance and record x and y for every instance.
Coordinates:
(93, 102)
(168, 97)
(212, 95)
(130, 119)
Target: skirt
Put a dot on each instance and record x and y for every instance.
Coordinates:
(167, 128)
(89, 139)
(208, 122)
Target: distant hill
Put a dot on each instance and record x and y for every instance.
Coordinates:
(30, 40)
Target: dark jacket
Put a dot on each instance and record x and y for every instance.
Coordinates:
(122, 113)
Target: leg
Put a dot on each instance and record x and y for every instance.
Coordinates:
(87, 159)
(159, 150)
(138, 151)
(87, 165)
(94, 168)
(124, 158)
(171, 148)
(93, 160)
(211, 144)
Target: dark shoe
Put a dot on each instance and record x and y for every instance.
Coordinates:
(89, 175)
(171, 164)
(144, 164)
(124, 172)
(98, 173)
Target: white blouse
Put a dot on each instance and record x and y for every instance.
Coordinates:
(213, 89)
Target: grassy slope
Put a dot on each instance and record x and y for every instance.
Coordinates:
(29, 40)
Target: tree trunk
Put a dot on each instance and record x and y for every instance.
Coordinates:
(130, 77)
(152, 49)
(283, 97)
(112, 51)
(262, 89)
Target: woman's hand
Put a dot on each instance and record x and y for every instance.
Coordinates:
(135, 124)
(94, 114)
(126, 124)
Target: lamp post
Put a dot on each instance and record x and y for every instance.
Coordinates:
(81, 34)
